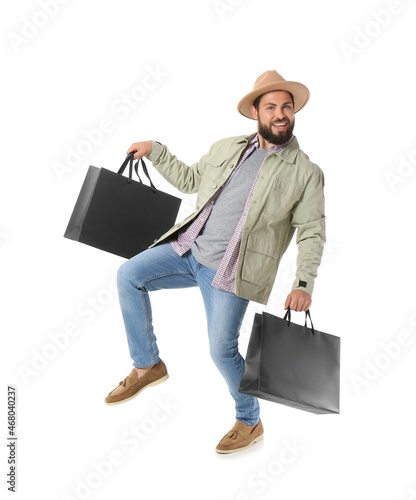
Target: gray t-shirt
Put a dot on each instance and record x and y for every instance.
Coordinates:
(211, 243)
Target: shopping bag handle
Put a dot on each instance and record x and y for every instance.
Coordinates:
(307, 315)
(129, 161)
(146, 173)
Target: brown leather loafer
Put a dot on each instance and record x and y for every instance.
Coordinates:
(240, 438)
(132, 386)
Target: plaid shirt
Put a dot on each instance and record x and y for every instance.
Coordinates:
(225, 275)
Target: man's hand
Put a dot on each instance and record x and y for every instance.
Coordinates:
(298, 300)
(140, 149)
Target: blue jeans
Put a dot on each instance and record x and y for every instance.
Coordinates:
(160, 268)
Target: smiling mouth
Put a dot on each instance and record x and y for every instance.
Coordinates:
(279, 125)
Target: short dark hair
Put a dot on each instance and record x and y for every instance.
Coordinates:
(256, 103)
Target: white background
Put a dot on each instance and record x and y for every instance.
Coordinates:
(66, 73)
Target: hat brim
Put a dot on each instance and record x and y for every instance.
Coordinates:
(298, 90)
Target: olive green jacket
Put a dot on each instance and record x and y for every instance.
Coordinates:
(288, 195)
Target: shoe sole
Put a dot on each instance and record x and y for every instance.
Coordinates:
(256, 440)
(156, 382)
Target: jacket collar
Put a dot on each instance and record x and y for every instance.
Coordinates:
(248, 138)
(290, 152)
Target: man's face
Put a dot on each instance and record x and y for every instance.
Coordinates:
(275, 117)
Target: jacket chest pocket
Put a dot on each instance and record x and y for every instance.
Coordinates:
(210, 181)
(212, 171)
(213, 177)
(282, 196)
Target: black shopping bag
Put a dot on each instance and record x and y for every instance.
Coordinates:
(292, 364)
(118, 214)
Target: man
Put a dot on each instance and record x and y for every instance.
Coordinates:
(253, 192)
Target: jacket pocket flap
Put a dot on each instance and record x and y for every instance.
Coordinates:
(262, 245)
(288, 187)
(216, 164)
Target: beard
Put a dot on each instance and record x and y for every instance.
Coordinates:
(273, 137)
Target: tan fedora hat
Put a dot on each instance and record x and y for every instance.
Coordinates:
(268, 82)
